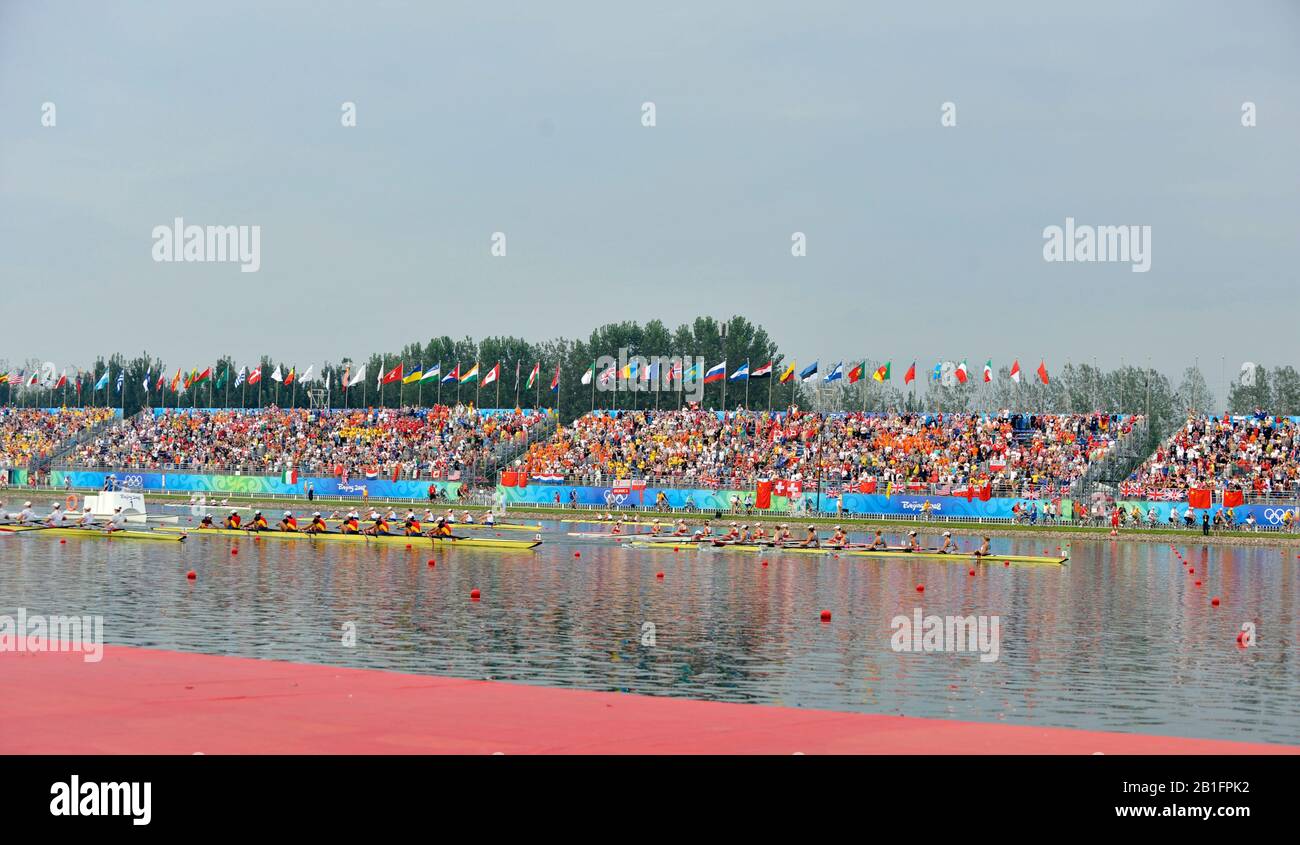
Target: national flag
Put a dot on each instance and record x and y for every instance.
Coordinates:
(289, 476)
(63, 379)
(469, 375)
(836, 373)
(144, 384)
(417, 373)
(629, 371)
(1015, 371)
(605, 377)
(1233, 498)
(741, 373)
(716, 373)
(307, 374)
(453, 376)
(288, 380)
(395, 374)
(764, 371)
(255, 374)
(176, 380)
(434, 372)
(121, 379)
(4, 378)
(908, 377)
(650, 373)
(555, 382)
(102, 383)
(787, 373)
(277, 375)
(356, 379)
(858, 371)
(809, 372)
(532, 376)
(938, 372)
(162, 382)
(492, 375)
(882, 372)
(988, 371)
(201, 377)
(589, 375)
(36, 376)
(961, 372)
(695, 373)
(1042, 371)
(239, 377)
(221, 379)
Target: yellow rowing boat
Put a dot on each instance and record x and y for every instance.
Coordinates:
(100, 533)
(383, 539)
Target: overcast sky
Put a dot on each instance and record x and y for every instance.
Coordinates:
(923, 241)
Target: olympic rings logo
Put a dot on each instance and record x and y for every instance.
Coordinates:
(132, 481)
(1274, 515)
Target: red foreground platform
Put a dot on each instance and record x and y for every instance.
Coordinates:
(144, 701)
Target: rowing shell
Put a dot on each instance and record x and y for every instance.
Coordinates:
(96, 532)
(383, 539)
(471, 526)
(962, 557)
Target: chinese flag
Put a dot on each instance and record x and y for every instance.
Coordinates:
(1042, 371)
(986, 492)
(911, 374)
(867, 486)
(1233, 498)
(509, 478)
(763, 497)
(1198, 498)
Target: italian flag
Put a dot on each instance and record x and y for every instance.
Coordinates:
(289, 476)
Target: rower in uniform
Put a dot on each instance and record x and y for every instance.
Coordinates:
(317, 525)
(681, 530)
(55, 519)
(467, 518)
(442, 528)
(117, 522)
(983, 550)
(351, 523)
(489, 519)
(379, 527)
(878, 542)
(839, 538)
(288, 523)
(948, 544)
(810, 541)
(233, 521)
(88, 519)
(655, 527)
(913, 542)
(26, 514)
(259, 523)
(411, 525)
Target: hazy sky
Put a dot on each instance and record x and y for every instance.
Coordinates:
(923, 241)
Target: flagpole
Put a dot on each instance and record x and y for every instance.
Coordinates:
(593, 386)
(383, 385)
(438, 400)
(771, 377)
(746, 384)
(497, 368)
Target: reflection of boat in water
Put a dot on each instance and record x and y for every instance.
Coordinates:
(95, 533)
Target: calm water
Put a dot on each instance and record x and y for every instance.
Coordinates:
(1118, 640)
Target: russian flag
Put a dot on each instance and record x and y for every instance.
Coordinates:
(809, 372)
(836, 373)
(716, 373)
(742, 373)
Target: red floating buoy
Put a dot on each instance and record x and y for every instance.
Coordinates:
(577, 554)
(63, 542)
(432, 563)
(191, 575)
(659, 575)
(1191, 570)
(408, 547)
(1006, 563)
(1214, 602)
(920, 588)
(972, 572)
(234, 551)
(473, 594)
(1198, 583)
(826, 616)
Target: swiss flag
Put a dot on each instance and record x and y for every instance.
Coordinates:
(763, 495)
(779, 488)
(395, 374)
(1233, 498)
(794, 488)
(1198, 498)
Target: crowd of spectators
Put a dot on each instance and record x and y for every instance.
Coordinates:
(412, 443)
(32, 434)
(1255, 455)
(1011, 453)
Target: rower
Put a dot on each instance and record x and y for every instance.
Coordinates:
(205, 522)
(704, 531)
(351, 523)
(233, 521)
(839, 538)
(733, 533)
(983, 550)
(681, 530)
(288, 523)
(451, 517)
(442, 528)
(117, 522)
(618, 527)
(26, 514)
(811, 541)
(948, 544)
(913, 542)
(759, 534)
(489, 519)
(878, 542)
(317, 525)
(259, 522)
(55, 519)
(379, 527)
(467, 518)
(87, 519)
(655, 527)
(743, 536)
(411, 526)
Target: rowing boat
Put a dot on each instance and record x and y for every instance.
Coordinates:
(95, 532)
(953, 557)
(468, 526)
(383, 539)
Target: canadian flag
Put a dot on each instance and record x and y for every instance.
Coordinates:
(1015, 371)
